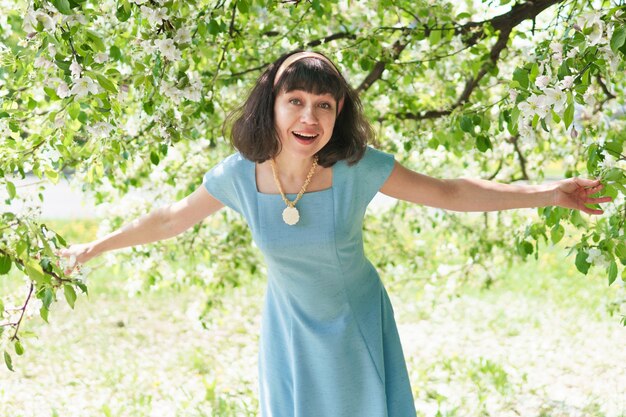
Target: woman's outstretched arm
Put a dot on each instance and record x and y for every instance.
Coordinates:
(162, 223)
(466, 194)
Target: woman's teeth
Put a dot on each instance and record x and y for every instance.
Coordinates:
(304, 136)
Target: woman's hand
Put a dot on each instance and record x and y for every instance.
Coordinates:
(77, 254)
(574, 193)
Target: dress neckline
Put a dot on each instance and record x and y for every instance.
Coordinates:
(332, 184)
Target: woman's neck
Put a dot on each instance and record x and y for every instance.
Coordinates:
(293, 168)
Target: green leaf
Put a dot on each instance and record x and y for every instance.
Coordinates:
(115, 53)
(8, 361)
(47, 298)
(557, 233)
(521, 76)
(52, 176)
(5, 264)
(73, 110)
(19, 349)
(581, 262)
(618, 39)
(106, 83)
(11, 189)
(96, 41)
(612, 272)
(525, 248)
(123, 12)
(43, 312)
(242, 6)
(613, 174)
(70, 295)
(435, 36)
(214, 27)
(483, 143)
(620, 250)
(466, 124)
(154, 158)
(34, 271)
(62, 6)
(148, 107)
(568, 116)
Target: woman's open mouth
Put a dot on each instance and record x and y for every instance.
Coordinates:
(305, 138)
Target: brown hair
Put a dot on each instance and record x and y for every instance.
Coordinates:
(253, 131)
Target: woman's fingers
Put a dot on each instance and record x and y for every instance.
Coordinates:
(599, 200)
(591, 211)
(587, 182)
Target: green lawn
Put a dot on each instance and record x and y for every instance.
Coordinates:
(539, 343)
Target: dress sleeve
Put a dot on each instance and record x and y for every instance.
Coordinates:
(373, 170)
(222, 180)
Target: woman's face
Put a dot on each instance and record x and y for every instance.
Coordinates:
(304, 121)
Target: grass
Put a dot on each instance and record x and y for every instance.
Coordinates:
(538, 343)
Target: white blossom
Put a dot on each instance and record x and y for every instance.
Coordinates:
(100, 129)
(154, 16)
(589, 99)
(83, 86)
(535, 105)
(63, 90)
(183, 35)
(558, 98)
(75, 69)
(101, 57)
(382, 103)
(567, 82)
(170, 90)
(32, 19)
(148, 46)
(168, 49)
(76, 18)
(596, 257)
(572, 53)
(42, 62)
(193, 92)
(542, 81)
(556, 47)
(609, 160)
(53, 155)
(29, 22)
(569, 161)
(596, 34)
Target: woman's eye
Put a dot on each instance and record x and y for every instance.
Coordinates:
(326, 106)
(294, 101)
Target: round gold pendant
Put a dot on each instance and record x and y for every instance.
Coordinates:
(291, 215)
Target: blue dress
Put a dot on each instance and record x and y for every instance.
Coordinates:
(329, 343)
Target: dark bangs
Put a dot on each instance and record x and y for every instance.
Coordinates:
(313, 76)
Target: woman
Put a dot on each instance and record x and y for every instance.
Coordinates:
(302, 179)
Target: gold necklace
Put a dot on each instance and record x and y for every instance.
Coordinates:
(290, 213)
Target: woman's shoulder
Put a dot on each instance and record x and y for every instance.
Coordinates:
(373, 157)
(233, 161)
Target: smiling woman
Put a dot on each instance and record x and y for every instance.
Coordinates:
(329, 343)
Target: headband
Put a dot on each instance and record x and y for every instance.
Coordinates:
(301, 55)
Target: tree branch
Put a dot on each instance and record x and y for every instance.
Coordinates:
(522, 161)
(315, 42)
(505, 24)
(605, 89)
(377, 72)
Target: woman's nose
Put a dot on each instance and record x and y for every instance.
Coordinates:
(308, 115)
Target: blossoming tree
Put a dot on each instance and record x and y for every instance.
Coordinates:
(127, 96)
